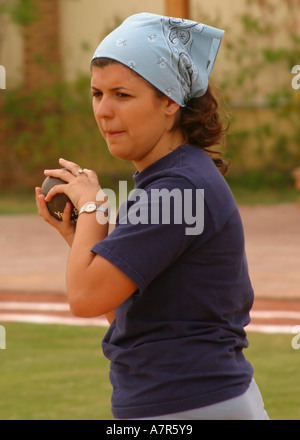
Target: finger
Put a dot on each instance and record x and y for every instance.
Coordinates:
(92, 175)
(43, 209)
(37, 200)
(60, 173)
(40, 202)
(57, 189)
(71, 166)
(67, 213)
(37, 193)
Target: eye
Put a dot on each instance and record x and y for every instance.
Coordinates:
(122, 95)
(96, 94)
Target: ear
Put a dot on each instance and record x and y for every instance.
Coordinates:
(171, 107)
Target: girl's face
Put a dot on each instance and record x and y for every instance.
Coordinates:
(136, 124)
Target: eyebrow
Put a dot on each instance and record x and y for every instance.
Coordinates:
(114, 89)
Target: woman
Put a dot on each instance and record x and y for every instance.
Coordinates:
(177, 297)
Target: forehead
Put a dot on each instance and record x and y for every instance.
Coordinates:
(116, 74)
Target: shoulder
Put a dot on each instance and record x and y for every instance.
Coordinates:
(189, 168)
(199, 170)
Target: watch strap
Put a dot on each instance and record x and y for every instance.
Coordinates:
(97, 208)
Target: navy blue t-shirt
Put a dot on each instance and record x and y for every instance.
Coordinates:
(177, 343)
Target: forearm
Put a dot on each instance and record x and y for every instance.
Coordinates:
(88, 294)
(88, 233)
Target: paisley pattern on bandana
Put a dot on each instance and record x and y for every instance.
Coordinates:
(173, 54)
(178, 34)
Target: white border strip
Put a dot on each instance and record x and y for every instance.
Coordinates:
(64, 307)
(102, 322)
(270, 329)
(277, 314)
(38, 306)
(51, 319)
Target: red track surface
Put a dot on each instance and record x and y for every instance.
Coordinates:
(33, 260)
(268, 315)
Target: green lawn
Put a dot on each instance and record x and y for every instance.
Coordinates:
(53, 372)
(276, 366)
(13, 202)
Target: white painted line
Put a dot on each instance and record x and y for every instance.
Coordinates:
(39, 306)
(50, 319)
(101, 322)
(270, 329)
(277, 314)
(62, 307)
(70, 320)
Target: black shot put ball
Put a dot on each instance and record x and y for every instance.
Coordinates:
(57, 204)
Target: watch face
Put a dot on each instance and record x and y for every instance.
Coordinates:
(90, 207)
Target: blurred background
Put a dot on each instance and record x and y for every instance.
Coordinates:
(57, 372)
(45, 107)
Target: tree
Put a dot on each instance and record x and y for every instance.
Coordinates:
(39, 23)
(178, 8)
(42, 56)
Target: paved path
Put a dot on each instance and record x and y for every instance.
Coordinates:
(267, 316)
(33, 256)
(33, 261)
(272, 236)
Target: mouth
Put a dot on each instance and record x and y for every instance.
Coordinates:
(113, 134)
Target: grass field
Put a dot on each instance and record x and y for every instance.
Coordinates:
(59, 372)
(13, 202)
(52, 372)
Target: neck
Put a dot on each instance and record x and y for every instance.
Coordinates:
(163, 148)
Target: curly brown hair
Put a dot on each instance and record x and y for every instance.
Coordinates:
(203, 127)
(200, 120)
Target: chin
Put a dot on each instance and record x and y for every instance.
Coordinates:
(119, 153)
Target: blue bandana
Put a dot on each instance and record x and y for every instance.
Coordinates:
(175, 55)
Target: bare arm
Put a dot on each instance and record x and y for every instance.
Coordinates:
(94, 285)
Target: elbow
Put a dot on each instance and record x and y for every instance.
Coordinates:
(81, 311)
(78, 311)
(80, 306)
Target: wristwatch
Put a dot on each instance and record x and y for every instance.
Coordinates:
(92, 207)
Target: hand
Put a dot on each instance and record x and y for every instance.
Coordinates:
(81, 188)
(65, 227)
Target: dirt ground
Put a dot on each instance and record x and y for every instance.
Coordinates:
(33, 261)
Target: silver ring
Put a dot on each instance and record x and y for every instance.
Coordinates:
(80, 171)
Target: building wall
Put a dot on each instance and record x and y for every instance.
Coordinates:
(83, 23)
(11, 55)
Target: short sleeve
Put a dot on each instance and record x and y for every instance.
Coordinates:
(155, 227)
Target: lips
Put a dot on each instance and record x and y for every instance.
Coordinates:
(114, 133)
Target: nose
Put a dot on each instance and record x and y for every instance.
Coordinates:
(103, 108)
